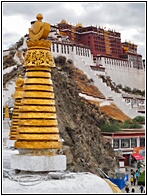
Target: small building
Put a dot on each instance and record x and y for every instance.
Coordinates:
(125, 141)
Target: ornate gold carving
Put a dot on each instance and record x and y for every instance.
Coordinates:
(42, 44)
(39, 58)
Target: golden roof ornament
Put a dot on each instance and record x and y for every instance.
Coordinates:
(63, 22)
(40, 30)
(79, 25)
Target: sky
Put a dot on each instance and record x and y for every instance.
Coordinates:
(128, 18)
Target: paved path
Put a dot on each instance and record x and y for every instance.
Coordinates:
(137, 190)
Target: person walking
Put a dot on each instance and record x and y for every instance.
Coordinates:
(127, 189)
(131, 180)
(134, 180)
(141, 188)
(137, 175)
(133, 190)
(132, 173)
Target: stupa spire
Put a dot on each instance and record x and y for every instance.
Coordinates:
(6, 112)
(15, 115)
(38, 127)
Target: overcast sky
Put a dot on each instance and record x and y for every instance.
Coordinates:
(126, 18)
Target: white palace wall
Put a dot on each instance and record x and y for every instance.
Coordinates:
(76, 54)
(121, 72)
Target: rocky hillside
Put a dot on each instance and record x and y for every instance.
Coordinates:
(79, 120)
(79, 123)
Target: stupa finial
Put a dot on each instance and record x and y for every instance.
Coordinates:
(39, 17)
(39, 30)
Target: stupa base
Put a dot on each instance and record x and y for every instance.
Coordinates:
(38, 163)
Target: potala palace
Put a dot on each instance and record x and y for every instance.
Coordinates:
(98, 52)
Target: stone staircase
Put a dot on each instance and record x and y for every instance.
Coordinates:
(106, 90)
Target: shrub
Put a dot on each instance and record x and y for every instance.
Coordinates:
(60, 60)
(109, 127)
(143, 93)
(135, 125)
(127, 89)
(141, 179)
(12, 52)
(119, 86)
(20, 42)
(130, 125)
(69, 61)
(139, 119)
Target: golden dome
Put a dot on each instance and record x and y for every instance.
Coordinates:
(63, 22)
(79, 25)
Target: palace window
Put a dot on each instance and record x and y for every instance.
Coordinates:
(133, 142)
(53, 48)
(57, 48)
(64, 49)
(68, 49)
(116, 143)
(142, 141)
(125, 143)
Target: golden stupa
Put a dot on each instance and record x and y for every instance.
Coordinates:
(38, 128)
(15, 115)
(6, 112)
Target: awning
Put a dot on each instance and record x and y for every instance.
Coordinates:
(137, 156)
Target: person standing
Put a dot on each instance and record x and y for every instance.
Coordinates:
(127, 189)
(141, 188)
(133, 190)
